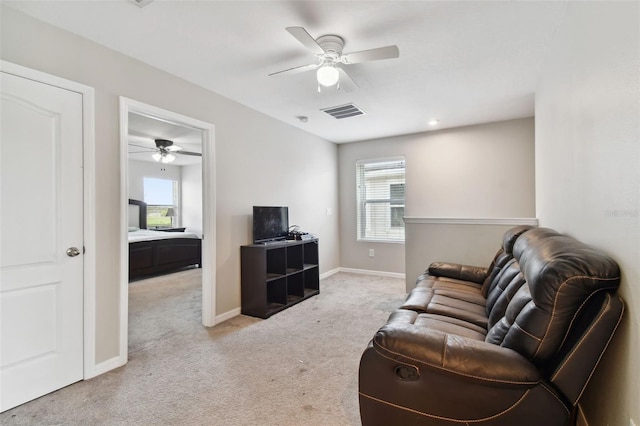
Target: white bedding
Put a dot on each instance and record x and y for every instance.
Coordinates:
(149, 234)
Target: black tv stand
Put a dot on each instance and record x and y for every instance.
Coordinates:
(278, 274)
(267, 243)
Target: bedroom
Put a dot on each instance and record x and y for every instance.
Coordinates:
(248, 141)
(167, 185)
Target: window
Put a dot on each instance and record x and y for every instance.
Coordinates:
(380, 199)
(161, 196)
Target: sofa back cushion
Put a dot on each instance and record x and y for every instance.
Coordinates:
(502, 257)
(507, 283)
(559, 274)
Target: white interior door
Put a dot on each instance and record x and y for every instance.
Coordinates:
(41, 221)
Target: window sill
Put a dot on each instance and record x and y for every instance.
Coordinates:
(373, 240)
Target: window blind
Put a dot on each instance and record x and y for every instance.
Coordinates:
(380, 199)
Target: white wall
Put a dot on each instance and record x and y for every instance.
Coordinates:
(138, 170)
(258, 160)
(191, 198)
(482, 171)
(588, 172)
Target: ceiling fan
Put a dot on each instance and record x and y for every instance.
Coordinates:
(165, 150)
(328, 49)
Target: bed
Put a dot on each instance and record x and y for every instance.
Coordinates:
(153, 252)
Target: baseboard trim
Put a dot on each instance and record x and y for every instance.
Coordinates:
(581, 420)
(329, 273)
(105, 366)
(371, 272)
(227, 315)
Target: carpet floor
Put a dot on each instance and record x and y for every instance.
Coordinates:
(299, 367)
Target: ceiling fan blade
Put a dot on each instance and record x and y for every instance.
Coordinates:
(346, 82)
(139, 152)
(387, 52)
(296, 69)
(142, 146)
(307, 41)
(195, 154)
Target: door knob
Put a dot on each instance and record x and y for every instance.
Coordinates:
(73, 251)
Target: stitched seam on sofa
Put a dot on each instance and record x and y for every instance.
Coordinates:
(515, 324)
(444, 348)
(601, 355)
(394, 359)
(584, 336)
(377, 346)
(433, 416)
(555, 396)
(555, 301)
(576, 316)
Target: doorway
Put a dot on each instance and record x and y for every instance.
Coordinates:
(138, 111)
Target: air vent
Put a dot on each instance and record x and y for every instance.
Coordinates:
(343, 111)
(141, 3)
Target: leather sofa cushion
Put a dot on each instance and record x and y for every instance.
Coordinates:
(450, 325)
(463, 305)
(427, 281)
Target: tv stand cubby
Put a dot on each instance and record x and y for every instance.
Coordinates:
(275, 276)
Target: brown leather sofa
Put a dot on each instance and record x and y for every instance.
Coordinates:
(514, 343)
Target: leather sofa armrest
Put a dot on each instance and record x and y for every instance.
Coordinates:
(476, 274)
(444, 353)
(411, 375)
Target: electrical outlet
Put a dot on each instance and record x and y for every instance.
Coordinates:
(329, 212)
(371, 253)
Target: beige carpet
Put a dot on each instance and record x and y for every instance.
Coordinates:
(300, 367)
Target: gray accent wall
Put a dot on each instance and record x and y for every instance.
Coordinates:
(481, 171)
(588, 172)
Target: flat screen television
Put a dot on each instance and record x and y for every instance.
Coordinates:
(270, 223)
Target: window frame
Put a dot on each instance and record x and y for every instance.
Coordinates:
(362, 202)
(175, 219)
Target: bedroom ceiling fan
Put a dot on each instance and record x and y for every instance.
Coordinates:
(328, 49)
(165, 150)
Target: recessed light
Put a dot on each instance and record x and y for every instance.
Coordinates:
(302, 118)
(433, 122)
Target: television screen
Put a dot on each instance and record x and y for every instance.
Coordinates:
(270, 223)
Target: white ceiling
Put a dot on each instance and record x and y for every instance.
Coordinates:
(460, 62)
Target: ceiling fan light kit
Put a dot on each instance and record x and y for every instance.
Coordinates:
(163, 157)
(328, 75)
(328, 49)
(165, 150)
